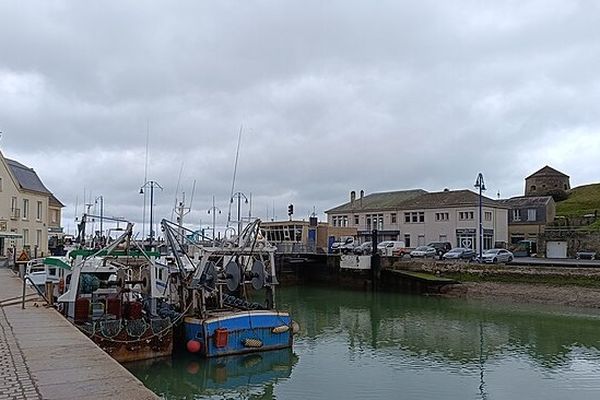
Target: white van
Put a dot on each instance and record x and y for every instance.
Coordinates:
(392, 248)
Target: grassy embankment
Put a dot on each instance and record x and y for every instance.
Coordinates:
(582, 200)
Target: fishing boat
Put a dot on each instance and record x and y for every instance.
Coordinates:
(113, 296)
(222, 316)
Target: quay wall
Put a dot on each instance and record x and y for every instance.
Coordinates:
(328, 271)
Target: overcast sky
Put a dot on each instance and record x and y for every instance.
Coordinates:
(332, 96)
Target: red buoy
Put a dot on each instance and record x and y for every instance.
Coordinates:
(194, 346)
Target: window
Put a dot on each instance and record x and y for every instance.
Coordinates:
(407, 239)
(488, 241)
(375, 221)
(414, 217)
(356, 220)
(516, 215)
(39, 211)
(25, 237)
(393, 218)
(466, 215)
(531, 214)
(487, 215)
(38, 238)
(54, 214)
(442, 216)
(533, 188)
(25, 208)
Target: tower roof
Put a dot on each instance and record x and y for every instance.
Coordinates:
(547, 171)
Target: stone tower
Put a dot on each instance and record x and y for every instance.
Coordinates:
(547, 182)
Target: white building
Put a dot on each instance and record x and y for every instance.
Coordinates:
(418, 217)
(28, 210)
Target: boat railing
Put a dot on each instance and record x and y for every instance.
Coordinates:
(37, 289)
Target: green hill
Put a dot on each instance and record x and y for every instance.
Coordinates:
(582, 200)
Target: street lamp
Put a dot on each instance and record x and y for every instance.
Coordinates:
(101, 198)
(213, 210)
(479, 183)
(151, 185)
(239, 196)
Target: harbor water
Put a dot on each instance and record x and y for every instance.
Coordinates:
(359, 345)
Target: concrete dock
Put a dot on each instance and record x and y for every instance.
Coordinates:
(43, 356)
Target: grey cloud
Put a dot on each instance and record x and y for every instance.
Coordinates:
(333, 96)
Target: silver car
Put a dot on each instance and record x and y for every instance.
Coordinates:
(496, 256)
(423, 251)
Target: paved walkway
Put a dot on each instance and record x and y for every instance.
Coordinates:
(43, 356)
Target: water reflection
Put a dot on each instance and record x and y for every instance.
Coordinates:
(444, 330)
(356, 345)
(243, 376)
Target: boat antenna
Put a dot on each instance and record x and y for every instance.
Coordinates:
(177, 190)
(250, 209)
(193, 191)
(237, 155)
(76, 206)
(145, 179)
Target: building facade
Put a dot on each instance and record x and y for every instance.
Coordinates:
(528, 217)
(418, 217)
(28, 210)
(547, 182)
(303, 236)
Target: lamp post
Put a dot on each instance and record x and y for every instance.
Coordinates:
(151, 185)
(101, 198)
(239, 196)
(213, 210)
(479, 183)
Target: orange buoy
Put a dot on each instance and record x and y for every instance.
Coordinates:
(194, 346)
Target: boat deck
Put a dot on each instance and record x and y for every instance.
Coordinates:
(43, 356)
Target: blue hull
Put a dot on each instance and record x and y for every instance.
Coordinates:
(239, 332)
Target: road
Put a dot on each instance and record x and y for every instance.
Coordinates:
(556, 262)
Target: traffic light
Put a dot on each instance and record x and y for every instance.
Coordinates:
(290, 210)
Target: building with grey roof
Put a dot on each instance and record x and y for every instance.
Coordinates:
(418, 217)
(528, 216)
(28, 210)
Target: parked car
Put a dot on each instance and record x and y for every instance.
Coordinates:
(392, 248)
(496, 256)
(585, 255)
(364, 249)
(344, 246)
(440, 247)
(459, 253)
(423, 251)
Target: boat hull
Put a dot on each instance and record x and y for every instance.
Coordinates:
(238, 332)
(125, 346)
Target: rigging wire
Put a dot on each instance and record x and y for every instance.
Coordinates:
(237, 154)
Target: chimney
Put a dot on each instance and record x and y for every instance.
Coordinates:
(352, 196)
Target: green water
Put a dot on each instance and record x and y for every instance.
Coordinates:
(356, 345)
